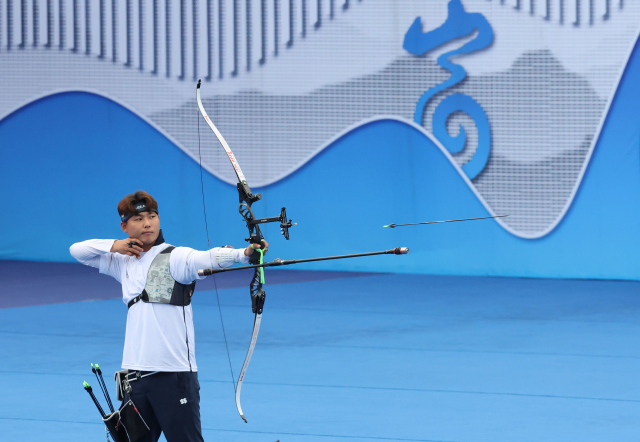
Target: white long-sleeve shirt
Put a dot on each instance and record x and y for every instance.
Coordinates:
(156, 334)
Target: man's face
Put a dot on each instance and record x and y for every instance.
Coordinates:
(144, 226)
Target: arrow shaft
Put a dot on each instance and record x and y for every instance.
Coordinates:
(446, 221)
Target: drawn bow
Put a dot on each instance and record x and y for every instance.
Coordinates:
(246, 199)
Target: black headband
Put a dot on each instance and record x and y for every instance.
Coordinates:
(140, 207)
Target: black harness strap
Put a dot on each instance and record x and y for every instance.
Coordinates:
(134, 300)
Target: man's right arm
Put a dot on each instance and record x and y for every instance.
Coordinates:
(89, 252)
(97, 253)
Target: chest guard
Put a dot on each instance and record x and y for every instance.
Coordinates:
(160, 287)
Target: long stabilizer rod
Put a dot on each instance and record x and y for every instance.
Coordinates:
(276, 263)
(445, 221)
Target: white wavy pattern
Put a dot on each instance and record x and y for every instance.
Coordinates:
(332, 85)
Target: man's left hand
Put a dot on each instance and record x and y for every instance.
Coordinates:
(249, 250)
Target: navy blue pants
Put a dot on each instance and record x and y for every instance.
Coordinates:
(169, 402)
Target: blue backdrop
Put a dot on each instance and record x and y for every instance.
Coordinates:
(69, 158)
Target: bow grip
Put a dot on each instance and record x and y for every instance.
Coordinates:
(254, 258)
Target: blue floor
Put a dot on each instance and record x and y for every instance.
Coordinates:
(378, 358)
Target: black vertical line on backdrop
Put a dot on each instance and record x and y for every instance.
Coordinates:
(547, 16)
(532, 7)
(591, 12)
(183, 39)
(167, 35)
(49, 24)
(194, 17)
(209, 76)
(61, 24)
(114, 30)
(332, 9)
(345, 6)
(291, 24)
(76, 26)
(248, 23)
(235, 38)
(607, 5)
(1, 30)
(319, 16)
(220, 39)
(141, 33)
(276, 27)
(9, 24)
(577, 22)
(87, 26)
(621, 3)
(304, 18)
(36, 23)
(129, 12)
(23, 24)
(103, 31)
(263, 32)
(561, 11)
(156, 42)
(518, 5)
(236, 23)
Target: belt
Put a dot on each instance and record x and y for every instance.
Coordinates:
(137, 375)
(125, 381)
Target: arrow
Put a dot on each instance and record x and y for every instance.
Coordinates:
(445, 221)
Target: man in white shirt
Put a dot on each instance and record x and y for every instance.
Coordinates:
(157, 284)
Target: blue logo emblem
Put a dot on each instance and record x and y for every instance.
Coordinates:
(459, 23)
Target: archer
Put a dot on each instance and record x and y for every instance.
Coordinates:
(159, 347)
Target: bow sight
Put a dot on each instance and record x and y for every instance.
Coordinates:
(246, 200)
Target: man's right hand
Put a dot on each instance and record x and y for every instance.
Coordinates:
(123, 247)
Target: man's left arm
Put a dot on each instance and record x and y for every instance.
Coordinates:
(185, 262)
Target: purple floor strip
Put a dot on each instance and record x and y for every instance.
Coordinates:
(26, 283)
